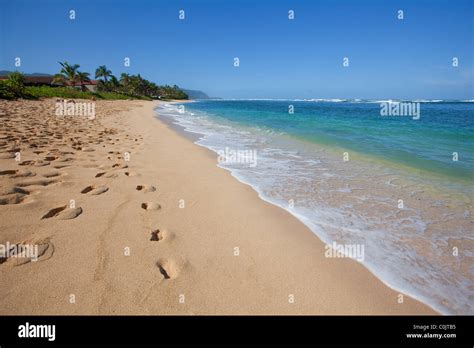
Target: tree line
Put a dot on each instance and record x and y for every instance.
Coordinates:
(70, 77)
(131, 85)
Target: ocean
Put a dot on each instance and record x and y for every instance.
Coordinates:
(401, 186)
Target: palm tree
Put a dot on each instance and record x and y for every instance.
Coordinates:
(102, 71)
(125, 81)
(83, 77)
(125, 78)
(114, 83)
(68, 74)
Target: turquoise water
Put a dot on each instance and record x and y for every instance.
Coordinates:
(399, 194)
(427, 143)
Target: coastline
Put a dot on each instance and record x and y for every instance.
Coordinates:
(202, 212)
(409, 248)
(192, 137)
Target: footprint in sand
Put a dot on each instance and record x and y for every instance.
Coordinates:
(26, 163)
(14, 195)
(63, 213)
(24, 174)
(121, 166)
(41, 163)
(160, 235)
(28, 251)
(146, 188)
(106, 175)
(156, 236)
(151, 206)
(61, 166)
(167, 268)
(95, 190)
(42, 182)
(8, 172)
(52, 174)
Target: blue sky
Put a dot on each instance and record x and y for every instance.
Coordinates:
(279, 58)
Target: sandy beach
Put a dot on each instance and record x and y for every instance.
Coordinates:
(131, 217)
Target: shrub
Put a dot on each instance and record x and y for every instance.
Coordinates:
(5, 92)
(13, 87)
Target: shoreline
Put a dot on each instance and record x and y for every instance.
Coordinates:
(197, 216)
(195, 136)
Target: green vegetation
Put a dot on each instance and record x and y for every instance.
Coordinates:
(14, 87)
(102, 71)
(67, 75)
(36, 92)
(168, 92)
(135, 85)
(71, 83)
